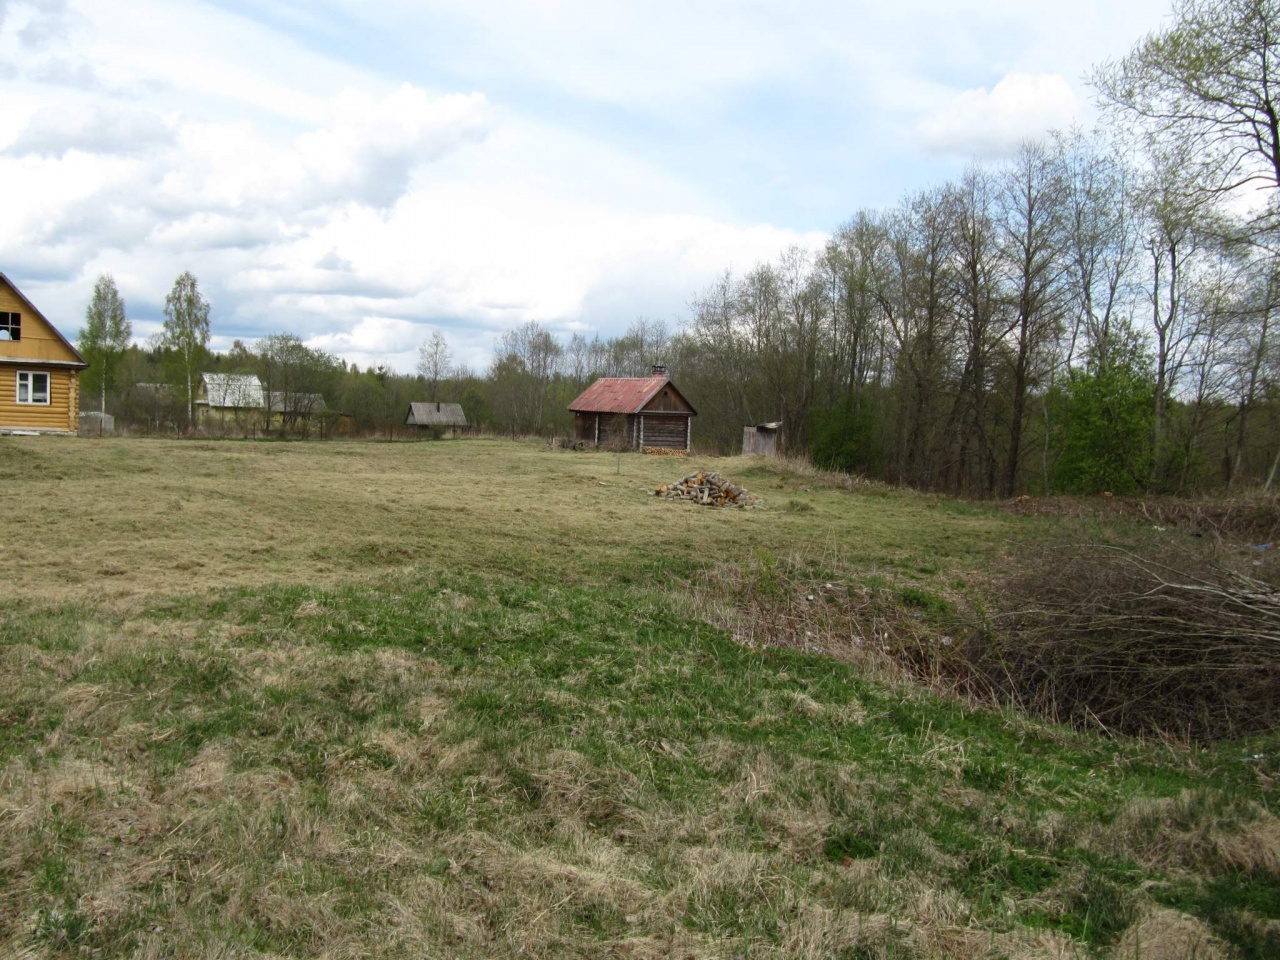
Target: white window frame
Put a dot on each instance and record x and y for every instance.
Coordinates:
(29, 376)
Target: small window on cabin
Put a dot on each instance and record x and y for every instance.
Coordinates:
(33, 387)
(10, 326)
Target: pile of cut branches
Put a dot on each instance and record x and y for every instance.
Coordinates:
(1097, 634)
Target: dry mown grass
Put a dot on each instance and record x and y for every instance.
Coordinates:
(1253, 515)
(134, 518)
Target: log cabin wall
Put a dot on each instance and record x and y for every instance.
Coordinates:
(666, 421)
(60, 413)
(670, 431)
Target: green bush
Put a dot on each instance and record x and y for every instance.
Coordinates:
(1105, 439)
(847, 437)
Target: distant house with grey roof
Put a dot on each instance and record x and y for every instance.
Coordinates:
(436, 416)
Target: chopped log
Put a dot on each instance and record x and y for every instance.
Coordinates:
(708, 489)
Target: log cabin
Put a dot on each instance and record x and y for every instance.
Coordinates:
(637, 411)
(39, 369)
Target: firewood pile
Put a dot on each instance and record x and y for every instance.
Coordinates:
(708, 489)
(664, 452)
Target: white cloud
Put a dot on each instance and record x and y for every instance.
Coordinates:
(112, 178)
(110, 129)
(44, 22)
(992, 123)
(371, 336)
(371, 147)
(365, 154)
(331, 261)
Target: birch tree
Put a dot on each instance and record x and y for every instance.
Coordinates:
(186, 329)
(105, 336)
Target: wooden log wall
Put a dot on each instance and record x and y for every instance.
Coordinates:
(665, 431)
(61, 413)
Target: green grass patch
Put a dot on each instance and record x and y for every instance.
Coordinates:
(490, 726)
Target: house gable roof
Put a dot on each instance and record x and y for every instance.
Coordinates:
(622, 395)
(435, 415)
(73, 358)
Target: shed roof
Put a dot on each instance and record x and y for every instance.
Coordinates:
(619, 394)
(436, 415)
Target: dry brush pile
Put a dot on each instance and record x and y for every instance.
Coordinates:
(1186, 642)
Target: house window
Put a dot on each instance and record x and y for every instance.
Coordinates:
(33, 387)
(10, 326)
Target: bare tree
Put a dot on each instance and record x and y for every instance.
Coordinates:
(1032, 218)
(527, 360)
(978, 283)
(1172, 218)
(918, 300)
(294, 378)
(1251, 347)
(1101, 239)
(434, 363)
(634, 353)
(854, 269)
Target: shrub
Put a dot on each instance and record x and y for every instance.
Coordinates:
(847, 437)
(1106, 437)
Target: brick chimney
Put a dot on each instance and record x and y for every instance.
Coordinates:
(659, 370)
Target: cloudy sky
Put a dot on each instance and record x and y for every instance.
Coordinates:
(365, 173)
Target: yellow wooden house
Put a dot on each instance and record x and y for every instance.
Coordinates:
(39, 369)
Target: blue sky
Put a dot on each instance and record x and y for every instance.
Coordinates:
(363, 174)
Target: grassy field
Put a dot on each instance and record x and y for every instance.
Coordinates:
(481, 699)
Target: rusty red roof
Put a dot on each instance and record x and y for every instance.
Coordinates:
(618, 394)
